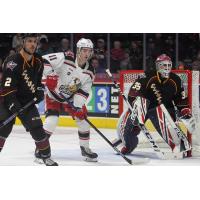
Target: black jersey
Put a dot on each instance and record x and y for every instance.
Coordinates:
(159, 90)
(21, 78)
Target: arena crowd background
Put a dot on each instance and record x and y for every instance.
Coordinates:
(117, 51)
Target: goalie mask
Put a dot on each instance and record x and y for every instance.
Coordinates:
(164, 65)
(84, 50)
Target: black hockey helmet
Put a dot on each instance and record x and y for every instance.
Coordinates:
(25, 35)
(28, 35)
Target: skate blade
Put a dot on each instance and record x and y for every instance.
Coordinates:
(39, 161)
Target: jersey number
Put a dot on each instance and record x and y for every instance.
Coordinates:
(102, 105)
(8, 81)
(136, 86)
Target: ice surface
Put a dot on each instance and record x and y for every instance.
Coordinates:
(19, 150)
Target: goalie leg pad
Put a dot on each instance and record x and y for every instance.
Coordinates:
(159, 121)
(130, 135)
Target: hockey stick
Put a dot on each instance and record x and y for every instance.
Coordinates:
(177, 131)
(17, 113)
(141, 161)
(142, 126)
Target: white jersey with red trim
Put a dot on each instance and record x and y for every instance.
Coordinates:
(62, 65)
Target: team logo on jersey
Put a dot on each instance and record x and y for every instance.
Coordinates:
(64, 89)
(11, 65)
(157, 93)
(28, 81)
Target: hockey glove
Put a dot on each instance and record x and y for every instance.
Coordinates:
(52, 82)
(11, 103)
(13, 106)
(188, 120)
(79, 113)
(39, 95)
(186, 113)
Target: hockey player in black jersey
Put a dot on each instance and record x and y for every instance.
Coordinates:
(21, 83)
(157, 87)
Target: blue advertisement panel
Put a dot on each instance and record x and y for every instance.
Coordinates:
(101, 96)
(102, 101)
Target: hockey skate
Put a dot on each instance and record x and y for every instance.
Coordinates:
(88, 155)
(46, 161)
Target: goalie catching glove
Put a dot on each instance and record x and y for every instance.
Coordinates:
(188, 120)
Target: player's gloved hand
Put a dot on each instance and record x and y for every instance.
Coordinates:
(52, 81)
(188, 120)
(79, 113)
(39, 94)
(13, 106)
(186, 113)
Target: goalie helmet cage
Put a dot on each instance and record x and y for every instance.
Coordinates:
(190, 80)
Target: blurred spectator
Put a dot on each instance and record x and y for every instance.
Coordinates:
(44, 36)
(64, 45)
(181, 65)
(117, 55)
(135, 56)
(152, 51)
(126, 63)
(1, 63)
(152, 54)
(95, 63)
(11, 52)
(196, 63)
(169, 47)
(44, 47)
(100, 54)
(17, 41)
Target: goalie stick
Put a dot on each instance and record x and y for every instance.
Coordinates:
(15, 114)
(155, 147)
(177, 131)
(131, 162)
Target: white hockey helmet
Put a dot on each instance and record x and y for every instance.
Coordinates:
(164, 65)
(85, 43)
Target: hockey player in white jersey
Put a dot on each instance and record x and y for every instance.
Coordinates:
(74, 81)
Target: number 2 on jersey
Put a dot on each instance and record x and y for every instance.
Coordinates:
(8, 81)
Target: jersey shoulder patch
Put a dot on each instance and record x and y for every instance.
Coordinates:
(69, 55)
(11, 62)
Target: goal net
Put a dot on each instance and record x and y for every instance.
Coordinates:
(190, 80)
